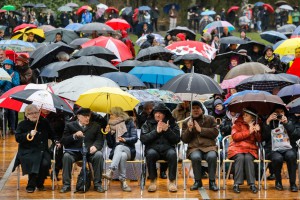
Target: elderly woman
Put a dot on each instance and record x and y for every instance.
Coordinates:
(121, 138)
(33, 153)
(243, 149)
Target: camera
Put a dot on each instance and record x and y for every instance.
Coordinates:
(279, 117)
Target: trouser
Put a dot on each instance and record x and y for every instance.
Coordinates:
(243, 162)
(210, 157)
(10, 119)
(154, 24)
(152, 156)
(196, 25)
(173, 22)
(70, 157)
(258, 24)
(121, 155)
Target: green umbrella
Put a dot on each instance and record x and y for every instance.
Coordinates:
(8, 7)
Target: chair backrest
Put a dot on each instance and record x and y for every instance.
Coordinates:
(225, 143)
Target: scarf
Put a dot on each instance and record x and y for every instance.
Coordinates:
(219, 112)
(269, 59)
(117, 126)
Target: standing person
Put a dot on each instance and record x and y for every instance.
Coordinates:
(125, 38)
(296, 16)
(160, 134)
(121, 138)
(223, 15)
(196, 19)
(22, 67)
(216, 42)
(74, 134)
(173, 14)
(200, 134)
(64, 19)
(86, 17)
(271, 60)
(49, 19)
(74, 17)
(154, 18)
(265, 19)
(259, 18)
(33, 153)
(190, 18)
(12, 21)
(243, 149)
(58, 38)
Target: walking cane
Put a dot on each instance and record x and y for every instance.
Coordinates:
(29, 136)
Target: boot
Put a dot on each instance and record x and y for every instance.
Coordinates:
(152, 187)
(124, 186)
(236, 188)
(197, 185)
(172, 186)
(278, 185)
(108, 175)
(213, 186)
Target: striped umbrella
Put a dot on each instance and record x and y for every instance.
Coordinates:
(218, 25)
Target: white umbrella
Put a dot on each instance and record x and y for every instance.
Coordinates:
(4, 76)
(286, 7)
(65, 9)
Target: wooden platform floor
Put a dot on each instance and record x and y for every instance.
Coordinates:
(8, 185)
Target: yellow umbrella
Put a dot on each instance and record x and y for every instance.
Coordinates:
(288, 47)
(22, 34)
(104, 98)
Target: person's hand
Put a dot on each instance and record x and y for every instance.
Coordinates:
(284, 119)
(273, 116)
(197, 126)
(273, 70)
(121, 139)
(159, 127)
(33, 132)
(251, 127)
(93, 149)
(165, 126)
(256, 128)
(79, 134)
(107, 129)
(190, 125)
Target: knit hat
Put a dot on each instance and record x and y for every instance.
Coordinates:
(217, 101)
(124, 34)
(83, 111)
(181, 36)
(197, 103)
(23, 57)
(8, 62)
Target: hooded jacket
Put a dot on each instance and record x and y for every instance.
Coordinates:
(15, 78)
(274, 63)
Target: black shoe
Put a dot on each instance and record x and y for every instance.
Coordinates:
(253, 188)
(213, 186)
(99, 189)
(294, 188)
(278, 186)
(204, 175)
(41, 188)
(236, 188)
(30, 190)
(163, 175)
(197, 185)
(65, 189)
(271, 177)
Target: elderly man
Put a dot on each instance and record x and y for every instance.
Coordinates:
(2, 56)
(75, 133)
(200, 134)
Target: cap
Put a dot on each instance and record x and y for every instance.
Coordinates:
(250, 111)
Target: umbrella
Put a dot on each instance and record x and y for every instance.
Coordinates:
(165, 95)
(96, 26)
(47, 28)
(232, 40)
(208, 12)
(85, 65)
(28, 5)
(295, 79)
(99, 52)
(24, 25)
(46, 54)
(287, 59)
(279, 3)
(82, 9)
(242, 93)
(4, 76)
(109, 9)
(218, 25)
(72, 5)
(65, 9)
(259, 4)
(72, 88)
(273, 36)
(286, 7)
(233, 82)
(144, 8)
(185, 47)
(102, 6)
(261, 102)
(233, 8)
(289, 92)
(17, 12)
(67, 35)
(294, 106)
(265, 82)
(294, 69)
(277, 44)
(247, 69)
(3, 27)
(127, 11)
(127, 65)
(191, 35)
(79, 41)
(103, 99)
(269, 7)
(8, 7)
(116, 46)
(124, 80)
(154, 53)
(40, 5)
(118, 24)
(249, 45)
(156, 71)
(168, 7)
(296, 32)
(287, 29)
(160, 39)
(17, 45)
(144, 96)
(23, 33)
(73, 26)
(50, 70)
(43, 99)
(288, 47)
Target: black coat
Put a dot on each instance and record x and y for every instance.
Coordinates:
(30, 153)
(274, 63)
(130, 136)
(225, 126)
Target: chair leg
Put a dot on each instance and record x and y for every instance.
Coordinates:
(224, 176)
(18, 177)
(184, 178)
(229, 170)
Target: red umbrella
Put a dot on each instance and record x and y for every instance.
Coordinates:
(294, 69)
(118, 24)
(109, 9)
(3, 11)
(82, 9)
(185, 47)
(24, 26)
(233, 8)
(116, 46)
(269, 7)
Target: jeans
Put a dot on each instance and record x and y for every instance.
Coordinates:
(258, 24)
(173, 22)
(121, 155)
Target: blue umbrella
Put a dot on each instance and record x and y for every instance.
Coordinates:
(142, 8)
(74, 26)
(290, 90)
(208, 12)
(50, 70)
(258, 4)
(124, 80)
(296, 32)
(168, 7)
(243, 93)
(273, 36)
(277, 44)
(287, 59)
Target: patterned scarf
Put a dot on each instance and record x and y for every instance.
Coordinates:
(117, 126)
(269, 59)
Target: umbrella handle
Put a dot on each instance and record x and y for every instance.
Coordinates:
(103, 132)
(30, 137)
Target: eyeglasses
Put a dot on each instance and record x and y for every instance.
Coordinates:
(33, 113)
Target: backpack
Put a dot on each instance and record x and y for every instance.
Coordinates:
(88, 180)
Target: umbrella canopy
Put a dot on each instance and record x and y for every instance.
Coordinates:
(43, 99)
(47, 28)
(233, 82)
(85, 65)
(23, 33)
(116, 46)
(296, 33)
(74, 26)
(233, 8)
(294, 69)
(280, 2)
(79, 41)
(249, 45)
(160, 39)
(24, 25)
(65, 9)
(82, 9)
(124, 79)
(286, 7)
(208, 12)
(127, 11)
(242, 93)
(50, 71)
(4, 76)
(99, 52)
(144, 96)
(96, 26)
(265, 82)
(154, 53)
(218, 25)
(289, 92)
(269, 7)
(67, 35)
(261, 102)
(9, 8)
(72, 88)
(127, 65)
(294, 106)
(118, 24)
(102, 6)
(232, 40)
(169, 6)
(40, 5)
(191, 35)
(287, 29)
(259, 4)
(72, 5)
(144, 8)
(103, 99)
(295, 79)
(109, 9)
(273, 36)
(288, 47)
(277, 44)
(17, 45)
(28, 5)
(165, 95)
(156, 71)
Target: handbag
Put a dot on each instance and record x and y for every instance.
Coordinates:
(280, 139)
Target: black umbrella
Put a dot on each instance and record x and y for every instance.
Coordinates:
(127, 11)
(50, 71)
(280, 3)
(191, 35)
(85, 65)
(40, 5)
(16, 12)
(127, 65)
(265, 82)
(294, 106)
(154, 53)
(46, 54)
(232, 40)
(273, 36)
(67, 35)
(79, 41)
(124, 79)
(249, 46)
(96, 26)
(28, 5)
(99, 52)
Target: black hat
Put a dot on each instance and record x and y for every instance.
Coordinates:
(251, 111)
(83, 111)
(197, 103)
